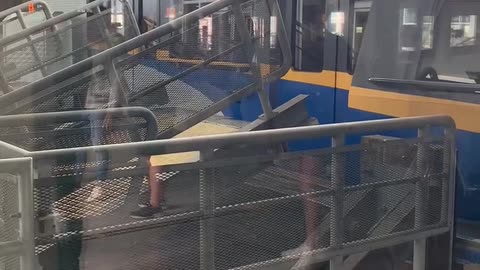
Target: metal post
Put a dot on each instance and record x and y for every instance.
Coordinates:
(449, 193)
(207, 208)
(298, 34)
(48, 16)
(21, 169)
(419, 254)
(25, 191)
(250, 52)
(21, 20)
(452, 175)
(421, 190)
(336, 216)
(446, 172)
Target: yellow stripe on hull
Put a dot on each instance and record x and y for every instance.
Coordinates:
(393, 104)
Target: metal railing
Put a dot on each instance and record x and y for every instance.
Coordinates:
(136, 76)
(17, 213)
(19, 209)
(70, 37)
(16, 14)
(244, 206)
(37, 4)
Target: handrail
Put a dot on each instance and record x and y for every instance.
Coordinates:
(50, 23)
(55, 31)
(338, 247)
(434, 86)
(13, 10)
(128, 46)
(255, 137)
(86, 115)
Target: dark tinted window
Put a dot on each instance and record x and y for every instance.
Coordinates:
(310, 36)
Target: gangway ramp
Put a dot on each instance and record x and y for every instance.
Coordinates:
(221, 218)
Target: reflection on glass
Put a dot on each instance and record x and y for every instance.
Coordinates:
(409, 16)
(171, 13)
(259, 29)
(463, 31)
(206, 31)
(273, 31)
(117, 14)
(408, 28)
(427, 32)
(310, 36)
(337, 23)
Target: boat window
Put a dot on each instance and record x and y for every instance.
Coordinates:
(310, 36)
(434, 40)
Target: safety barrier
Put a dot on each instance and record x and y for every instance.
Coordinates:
(45, 48)
(135, 74)
(245, 205)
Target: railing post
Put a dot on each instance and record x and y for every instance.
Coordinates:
(448, 188)
(451, 177)
(447, 171)
(421, 190)
(336, 216)
(20, 172)
(207, 221)
(25, 191)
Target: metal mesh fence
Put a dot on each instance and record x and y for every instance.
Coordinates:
(248, 210)
(9, 208)
(75, 226)
(182, 77)
(54, 47)
(9, 263)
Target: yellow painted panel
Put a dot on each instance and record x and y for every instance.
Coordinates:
(324, 78)
(466, 115)
(344, 80)
(201, 129)
(164, 56)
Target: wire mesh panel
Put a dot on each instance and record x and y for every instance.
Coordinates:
(75, 134)
(16, 212)
(296, 221)
(245, 212)
(76, 225)
(182, 76)
(9, 263)
(58, 43)
(51, 131)
(9, 208)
